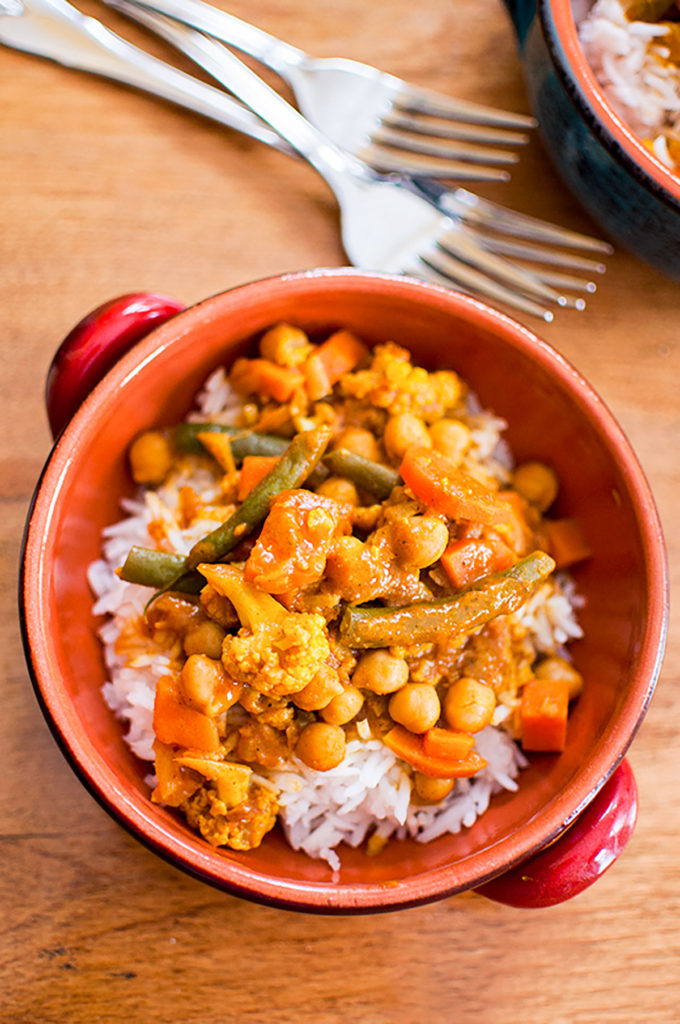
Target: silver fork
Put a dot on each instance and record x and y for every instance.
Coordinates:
(384, 226)
(378, 117)
(489, 228)
(385, 223)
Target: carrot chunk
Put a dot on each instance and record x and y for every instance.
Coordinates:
(253, 469)
(543, 714)
(565, 541)
(450, 491)
(471, 558)
(262, 377)
(447, 744)
(178, 725)
(411, 748)
(516, 531)
(336, 356)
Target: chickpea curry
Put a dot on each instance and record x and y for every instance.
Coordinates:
(363, 577)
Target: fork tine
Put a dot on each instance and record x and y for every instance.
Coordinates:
(445, 129)
(568, 282)
(419, 166)
(455, 149)
(484, 213)
(476, 283)
(538, 253)
(427, 101)
(456, 244)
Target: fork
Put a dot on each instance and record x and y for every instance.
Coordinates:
(378, 117)
(488, 226)
(384, 225)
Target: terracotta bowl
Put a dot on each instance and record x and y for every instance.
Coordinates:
(553, 415)
(632, 196)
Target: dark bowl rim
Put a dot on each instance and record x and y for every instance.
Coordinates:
(607, 126)
(325, 897)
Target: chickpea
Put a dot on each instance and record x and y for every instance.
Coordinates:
(431, 791)
(204, 637)
(339, 488)
(451, 438)
(321, 746)
(416, 706)
(469, 705)
(285, 345)
(405, 431)
(537, 483)
(320, 691)
(555, 667)
(380, 672)
(359, 441)
(206, 685)
(150, 458)
(418, 540)
(343, 708)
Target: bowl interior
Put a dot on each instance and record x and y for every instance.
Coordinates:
(552, 415)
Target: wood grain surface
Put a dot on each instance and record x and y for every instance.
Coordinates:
(104, 191)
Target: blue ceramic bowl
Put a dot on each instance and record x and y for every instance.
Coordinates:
(625, 189)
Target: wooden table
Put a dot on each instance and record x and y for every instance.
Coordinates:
(105, 191)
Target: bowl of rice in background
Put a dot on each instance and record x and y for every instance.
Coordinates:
(607, 99)
(564, 818)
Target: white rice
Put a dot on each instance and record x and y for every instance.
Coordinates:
(631, 65)
(371, 789)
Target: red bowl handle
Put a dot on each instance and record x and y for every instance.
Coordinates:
(579, 856)
(93, 346)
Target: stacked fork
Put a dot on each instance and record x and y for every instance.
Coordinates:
(388, 123)
(476, 245)
(401, 221)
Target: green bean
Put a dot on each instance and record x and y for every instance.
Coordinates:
(160, 570)
(446, 618)
(165, 571)
(292, 469)
(368, 475)
(244, 442)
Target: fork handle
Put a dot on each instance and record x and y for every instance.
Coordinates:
(56, 30)
(270, 51)
(333, 163)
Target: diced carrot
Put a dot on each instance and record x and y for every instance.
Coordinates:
(410, 748)
(468, 559)
(253, 469)
(543, 714)
(293, 546)
(515, 532)
(443, 487)
(447, 744)
(565, 541)
(338, 355)
(262, 377)
(178, 725)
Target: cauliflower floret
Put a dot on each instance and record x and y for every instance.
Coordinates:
(242, 827)
(278, 657)
(394, 384)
